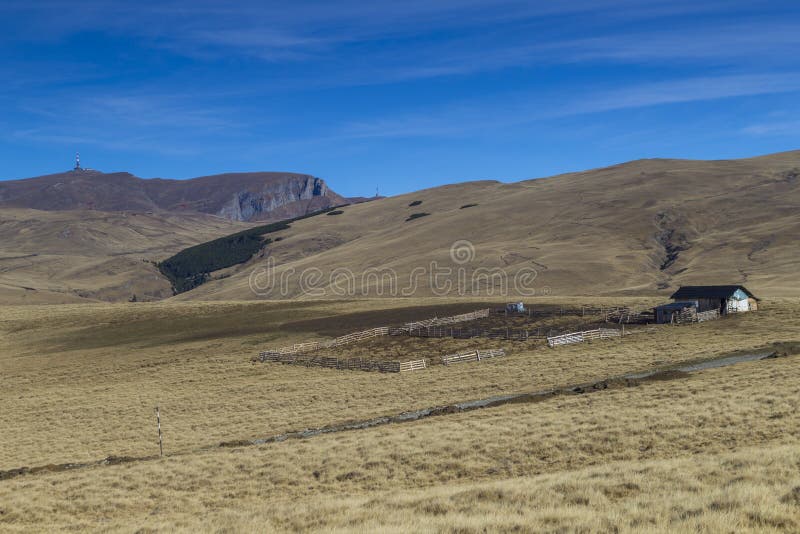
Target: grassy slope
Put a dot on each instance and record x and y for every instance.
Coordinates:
(190, 267)
(594, 232)
(87, 255)
(715, 451)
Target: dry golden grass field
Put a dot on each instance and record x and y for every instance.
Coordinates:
(714, 451)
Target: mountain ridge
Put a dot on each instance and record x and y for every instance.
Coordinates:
(249, 196)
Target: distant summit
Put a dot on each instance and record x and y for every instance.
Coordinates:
(253, 196)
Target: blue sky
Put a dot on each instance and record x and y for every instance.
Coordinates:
(400, 95)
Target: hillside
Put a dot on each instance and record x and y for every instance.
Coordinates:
(191, 267)
(72, 256)
(235, 196)
(639, 227)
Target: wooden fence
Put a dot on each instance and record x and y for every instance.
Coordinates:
(358, 364)
(630, 315)
(414, 365)
(691, 315)
(468, 333)
(358, 336)
(552, 311)
(472, 356)
(438, 321)
(610, 314)
(580, 337)
(311, 346)
(686, 315)
(707, 315)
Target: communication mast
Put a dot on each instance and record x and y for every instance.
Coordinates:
(77, 161)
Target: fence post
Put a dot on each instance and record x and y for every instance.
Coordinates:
(160, 441)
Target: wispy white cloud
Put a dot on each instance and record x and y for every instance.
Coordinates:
(165, 124)
(131, 110)
(722, 42)
(155, 111)
(753, 46)
(785, 127)
(471, 117)
(114, 141)
(305, 31)
(687, 90)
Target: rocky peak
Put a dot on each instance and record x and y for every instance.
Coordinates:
(236, 196)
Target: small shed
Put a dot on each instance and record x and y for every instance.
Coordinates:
(515, 307)
(726, 299)
(668, 313)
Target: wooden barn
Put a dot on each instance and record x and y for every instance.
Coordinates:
(691, 302)
(726, 299)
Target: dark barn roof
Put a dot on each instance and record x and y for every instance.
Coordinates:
(709, 292)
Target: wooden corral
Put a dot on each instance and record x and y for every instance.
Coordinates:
(472, 356)
(580, 337)
(559, 328)
(465, 317)
(630, 316)
(511, 334)
(312, 346)
(609, 313)
(683, 313)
